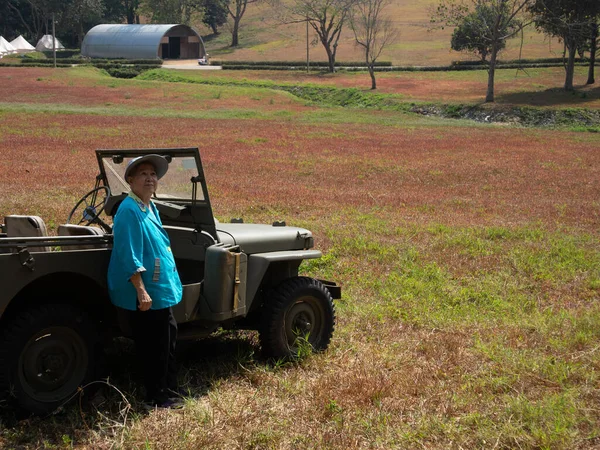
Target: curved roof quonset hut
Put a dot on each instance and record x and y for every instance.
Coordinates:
(143, 42)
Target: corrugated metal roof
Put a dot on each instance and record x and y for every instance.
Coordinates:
(131, 41)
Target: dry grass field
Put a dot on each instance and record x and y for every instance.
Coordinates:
(468, 256)
(263, 37)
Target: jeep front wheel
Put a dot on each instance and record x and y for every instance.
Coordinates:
(298, 310)
(47, 352)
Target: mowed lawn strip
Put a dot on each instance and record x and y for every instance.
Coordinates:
(192, 91)
(528, 87)
(470, 267)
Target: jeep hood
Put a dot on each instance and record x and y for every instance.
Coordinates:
(256, 238)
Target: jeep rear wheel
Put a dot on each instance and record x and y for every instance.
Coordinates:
(299, 309)
(47, 352)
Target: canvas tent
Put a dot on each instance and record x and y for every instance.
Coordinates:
(45, 44)
(22, 46)
(6, 48)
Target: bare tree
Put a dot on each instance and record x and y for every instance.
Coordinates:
(373, 31)
(326, 17)
(489, 23)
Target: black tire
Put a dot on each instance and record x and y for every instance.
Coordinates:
(299, 307)
(46, 353)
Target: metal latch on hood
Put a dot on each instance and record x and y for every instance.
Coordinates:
(309, 241)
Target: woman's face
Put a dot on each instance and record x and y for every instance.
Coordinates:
(144, 181)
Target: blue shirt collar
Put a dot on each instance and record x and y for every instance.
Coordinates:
(139, 201)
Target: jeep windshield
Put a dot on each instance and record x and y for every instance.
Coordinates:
(175, 185)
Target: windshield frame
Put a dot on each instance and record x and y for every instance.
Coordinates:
(169, 153)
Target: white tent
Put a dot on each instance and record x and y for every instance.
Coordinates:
(6, 48)
(45, 44)
(21, 45)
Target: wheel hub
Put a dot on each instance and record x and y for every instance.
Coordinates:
(53, 364)
(303, 320)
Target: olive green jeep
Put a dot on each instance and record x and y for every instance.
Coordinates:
(55, 313)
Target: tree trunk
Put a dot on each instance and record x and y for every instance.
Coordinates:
(234, 32)
(80, 33)
(489, 97)
(372, 74)
(213, 27)
(572, 47)
(593, 48)
(330, 59)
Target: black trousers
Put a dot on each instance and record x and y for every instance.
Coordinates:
(155, 335)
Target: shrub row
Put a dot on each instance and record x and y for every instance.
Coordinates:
(96, 62)
(404, 68)
(35, 64)
(518, 61)
(460, 67)
(300, 63)
(123, 66)
(63, 53)
(50, 61)
(128, 72)
(147, 62)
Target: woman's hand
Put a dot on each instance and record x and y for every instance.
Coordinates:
(144, 300)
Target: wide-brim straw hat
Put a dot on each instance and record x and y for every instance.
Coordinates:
(159, 162)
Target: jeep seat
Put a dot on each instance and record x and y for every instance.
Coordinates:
(80, 230)
(26, 226)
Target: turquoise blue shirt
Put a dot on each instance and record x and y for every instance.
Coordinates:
(142, 245)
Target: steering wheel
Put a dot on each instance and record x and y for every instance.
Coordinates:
(93, 207)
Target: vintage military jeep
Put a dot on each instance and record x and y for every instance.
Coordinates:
(55, 314)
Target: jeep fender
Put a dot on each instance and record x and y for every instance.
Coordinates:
(286, 262)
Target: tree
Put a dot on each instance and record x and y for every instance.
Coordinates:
(236, 10)
(373, 31)
(214, 14)
(594, 42)
(34, 15)
(20, 17)
(118, 10)
(78, 16)
(326, 17)
(482, 26)
(170, 11)
(568, 20)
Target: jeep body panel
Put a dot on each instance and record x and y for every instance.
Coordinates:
(259, 238)
(23, 268)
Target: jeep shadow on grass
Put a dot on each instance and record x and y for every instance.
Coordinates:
(56, 319)
(105, 409)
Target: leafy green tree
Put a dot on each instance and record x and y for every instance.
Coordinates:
(214, 14)
(115, 11)
(568, 20)
(77, 17)
(483, 27)
(594, 42)
(170, 11)
(236, 10)
(33, 16)
(18, 17)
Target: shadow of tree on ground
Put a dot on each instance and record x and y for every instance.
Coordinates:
(587, 96)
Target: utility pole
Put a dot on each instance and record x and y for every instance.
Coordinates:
(307, 58)
(53, 40)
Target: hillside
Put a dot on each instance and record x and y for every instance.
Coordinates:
(263, 38)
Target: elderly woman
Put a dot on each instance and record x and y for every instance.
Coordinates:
(143, 280)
